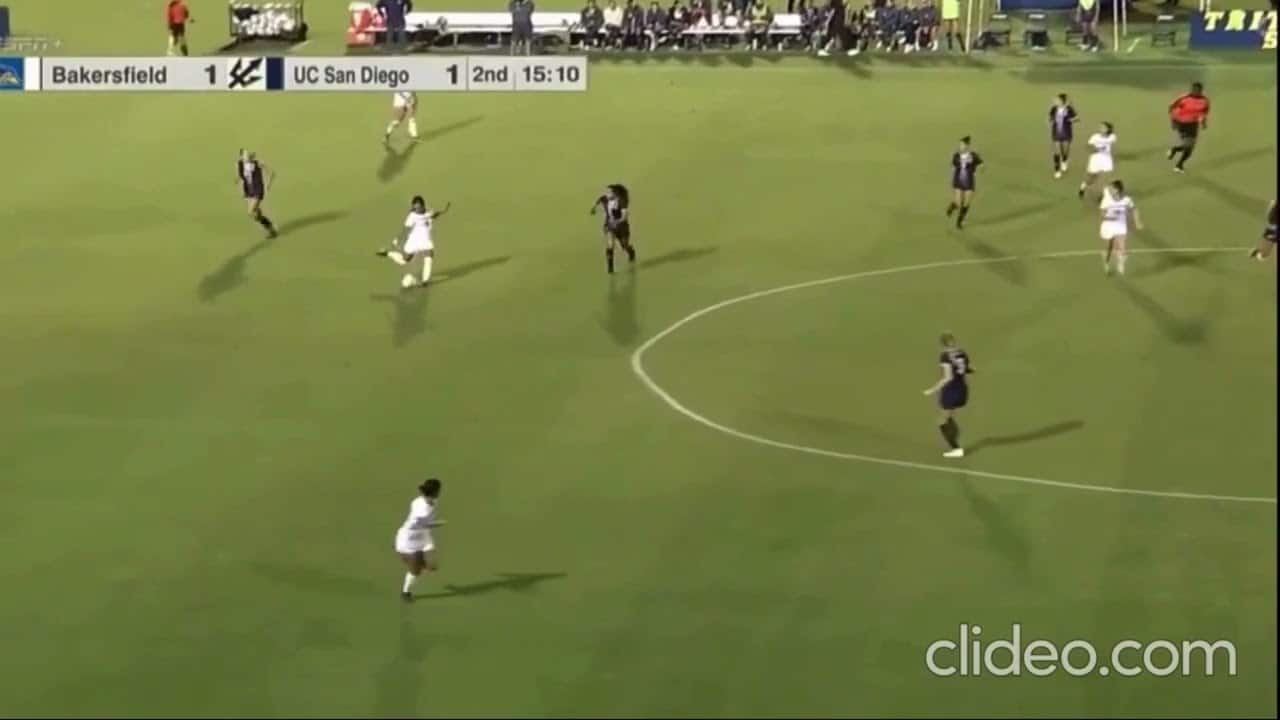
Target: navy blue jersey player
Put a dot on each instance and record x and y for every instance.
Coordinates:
(1268, 242)
(254, 179)
(952, 391)
(1062, 118)
(616, 204)
(964, 168)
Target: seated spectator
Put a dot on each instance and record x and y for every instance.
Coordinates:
(633, 25)
(927, 33)
(655, 24)
(858, 29)
(908, 26)
(833, 27)
(677, 22)
(809, 19)
(592, 21)
(613, 24)
(759, 18)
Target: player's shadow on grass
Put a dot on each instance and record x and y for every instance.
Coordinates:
(621, 313)
(1170, 258)
(676, 256)
(314, 580)
(1041, 433)
(1244, 203)
(1002, 532)
(411, 305)
(231, 273)
(510, 582)
(1012, 270)
(1182, 331)
(395, 160)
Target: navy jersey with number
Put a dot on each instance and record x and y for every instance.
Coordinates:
(964, 167)
(1061, 118)
(251, 181)
(955, 394)
(1271, 232)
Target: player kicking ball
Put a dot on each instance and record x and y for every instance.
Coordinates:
(404, 108)
(417, 242)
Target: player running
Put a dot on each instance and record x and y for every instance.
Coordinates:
(1101, 160)
(1268, 241)
(404, 108)
(616, 203)
(414, 543)
(417, 241)
(1189, 114)
(254, 179)
(1116, 208)
(953, 392)
(964, 168)
(1062, 119)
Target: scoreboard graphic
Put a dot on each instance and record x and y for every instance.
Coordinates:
(268, 74)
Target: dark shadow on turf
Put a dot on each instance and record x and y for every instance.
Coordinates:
(1042, 433)
(1002, 532)
(1171, 259)
(1217, 162)
(290, 226)
(512, 582)
(1101, 69)
(458, 272)
(398, 684)
(396, 159)
(229, 275)
(411, 305)
(1178, 330)
(676, 256)
(1246, 204)
(1012, 270)
(410, 314)
(621, 316)
(837, 427)
(1029, 210)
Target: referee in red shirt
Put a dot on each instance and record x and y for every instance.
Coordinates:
(177, 15)
(1189, 115)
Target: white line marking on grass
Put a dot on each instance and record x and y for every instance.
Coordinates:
(637, 367)
(1133, 45)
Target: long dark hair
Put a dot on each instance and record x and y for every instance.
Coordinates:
(430, 488)
(620, 191)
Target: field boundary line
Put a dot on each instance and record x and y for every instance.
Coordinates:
(637, 368)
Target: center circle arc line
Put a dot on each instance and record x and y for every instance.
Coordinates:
(637, 367)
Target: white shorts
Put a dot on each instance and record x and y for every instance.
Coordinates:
(400, 103)
(414, 541)
(1112, 230)
(1099, 164)
(418, 243)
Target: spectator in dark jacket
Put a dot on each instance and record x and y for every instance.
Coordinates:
(393, 14)
(655, 23)
(834, 32)
(632, 25)
(521, 26)
(592, 21)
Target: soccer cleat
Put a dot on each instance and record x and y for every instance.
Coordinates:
(1057, 175)
(1178, 170)
(824, 53)
(406, 597)
(853, 52)
(1081, 193)
(1064, 166)
(956, 453)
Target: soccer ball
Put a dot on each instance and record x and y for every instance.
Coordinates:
(408, 281)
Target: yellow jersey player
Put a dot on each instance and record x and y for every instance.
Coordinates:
(404, 108)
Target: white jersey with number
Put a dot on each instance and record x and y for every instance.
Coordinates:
(402, 100)
(415, 534)
(419, 226)
(1115, 214)
(1101, 160)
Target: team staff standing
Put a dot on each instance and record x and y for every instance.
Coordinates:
(1189, 114)
(177, 15)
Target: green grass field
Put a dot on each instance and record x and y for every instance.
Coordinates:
(209, 440)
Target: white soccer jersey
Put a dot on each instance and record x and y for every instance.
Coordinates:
(1115, 210)
(421, 514)
(1102, 144)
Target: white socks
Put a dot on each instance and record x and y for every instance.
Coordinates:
(392, 127)
(409, 580)
(1120, 258)
(426, 269)
(397, 257)
(413, 128)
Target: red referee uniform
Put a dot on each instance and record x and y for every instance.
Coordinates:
(1188, 114)
(177, 14)
(1188, 109)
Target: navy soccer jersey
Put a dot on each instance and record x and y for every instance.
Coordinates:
(955, 394)
(1061, 120)
(617, 220)
(964, 168)
(1272, 229)
(251, 180)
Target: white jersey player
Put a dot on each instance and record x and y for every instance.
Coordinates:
(417, 241)
(414, 543)
(1116, 208)
(404, 107)
(1101, 160)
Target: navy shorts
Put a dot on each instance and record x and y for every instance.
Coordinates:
(966, 185)
(252, 193)
(620, 231)
(1186, 131)
(953, 397)
(1060, 136)
(1269, 233)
